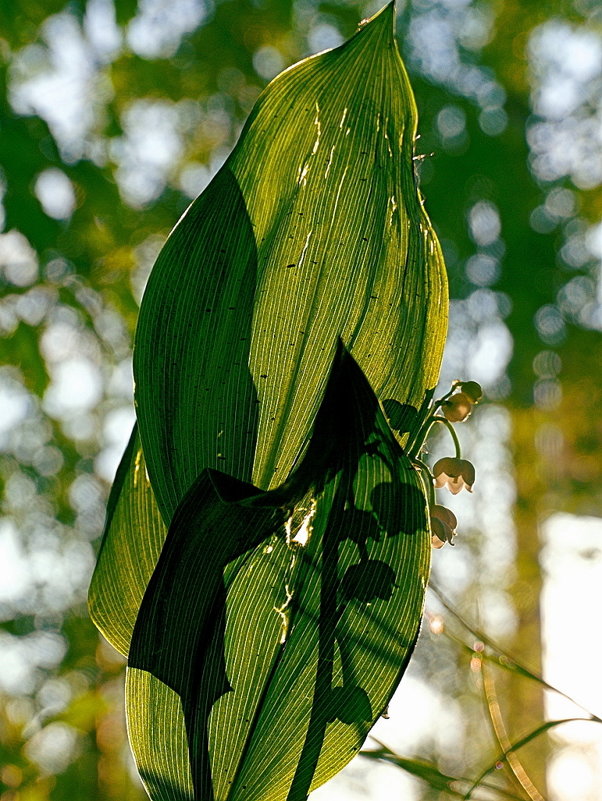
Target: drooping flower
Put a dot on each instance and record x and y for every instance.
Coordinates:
(443, 525)
(455, 474)
(436, 542)
(457, 408)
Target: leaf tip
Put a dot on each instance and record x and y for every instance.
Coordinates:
(383, 20)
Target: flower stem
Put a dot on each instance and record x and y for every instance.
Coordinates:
(441, 401)
(427, 480)
(450, 428)
(415, 444)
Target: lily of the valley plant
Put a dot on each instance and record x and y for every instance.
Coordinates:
(267, 544)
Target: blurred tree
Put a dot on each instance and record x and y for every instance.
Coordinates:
(113, 116)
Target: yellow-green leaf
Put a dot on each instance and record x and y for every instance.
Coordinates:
(132, 540)
(313, 231)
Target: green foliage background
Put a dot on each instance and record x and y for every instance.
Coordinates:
(112, 118)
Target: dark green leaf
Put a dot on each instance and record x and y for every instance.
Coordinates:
(23, 350)
(278, 624)
(125, 10)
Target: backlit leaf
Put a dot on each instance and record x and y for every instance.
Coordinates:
(304, 288)
(313, 231)
(132, 541)
(277, 624)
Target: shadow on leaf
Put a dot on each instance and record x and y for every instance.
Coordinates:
(220, 533)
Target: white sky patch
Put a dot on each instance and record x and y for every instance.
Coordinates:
(57, 82)
(2, 193)
(21, 657)
(76, 386)
(61, 340)
(268, 62)
(572, 774)
(484, 223)
(324, 37)
(101, 28)
(491, 353)
(147, 153)
(54, 695)
(362, 780)
(194, 178)
(566, 66)
(18, 260)
(85, 493)
(432, 715)
(32, 306)
(60, 573)
(121, 382)
(55, 192)
(15, 573)
(15, 406)
(116, 432)
(566, 59)
(482, 269)
(53, 748)
(438, 34)
(451, 122)
(572, 561)
(157, 30)
(593, 240)
(479, 344)
(118, 425)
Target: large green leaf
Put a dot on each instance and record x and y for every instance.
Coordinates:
(132, 541)
(277, 624)
(313, 231)
(301, 288)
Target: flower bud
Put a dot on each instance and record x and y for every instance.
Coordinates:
(457, 408)
(472, 389)
(436, 542)
(443, 525)
(445, 515)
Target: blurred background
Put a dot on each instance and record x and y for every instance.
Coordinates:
(114, 114)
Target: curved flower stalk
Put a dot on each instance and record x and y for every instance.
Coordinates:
(267, 546)
(451, 472)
